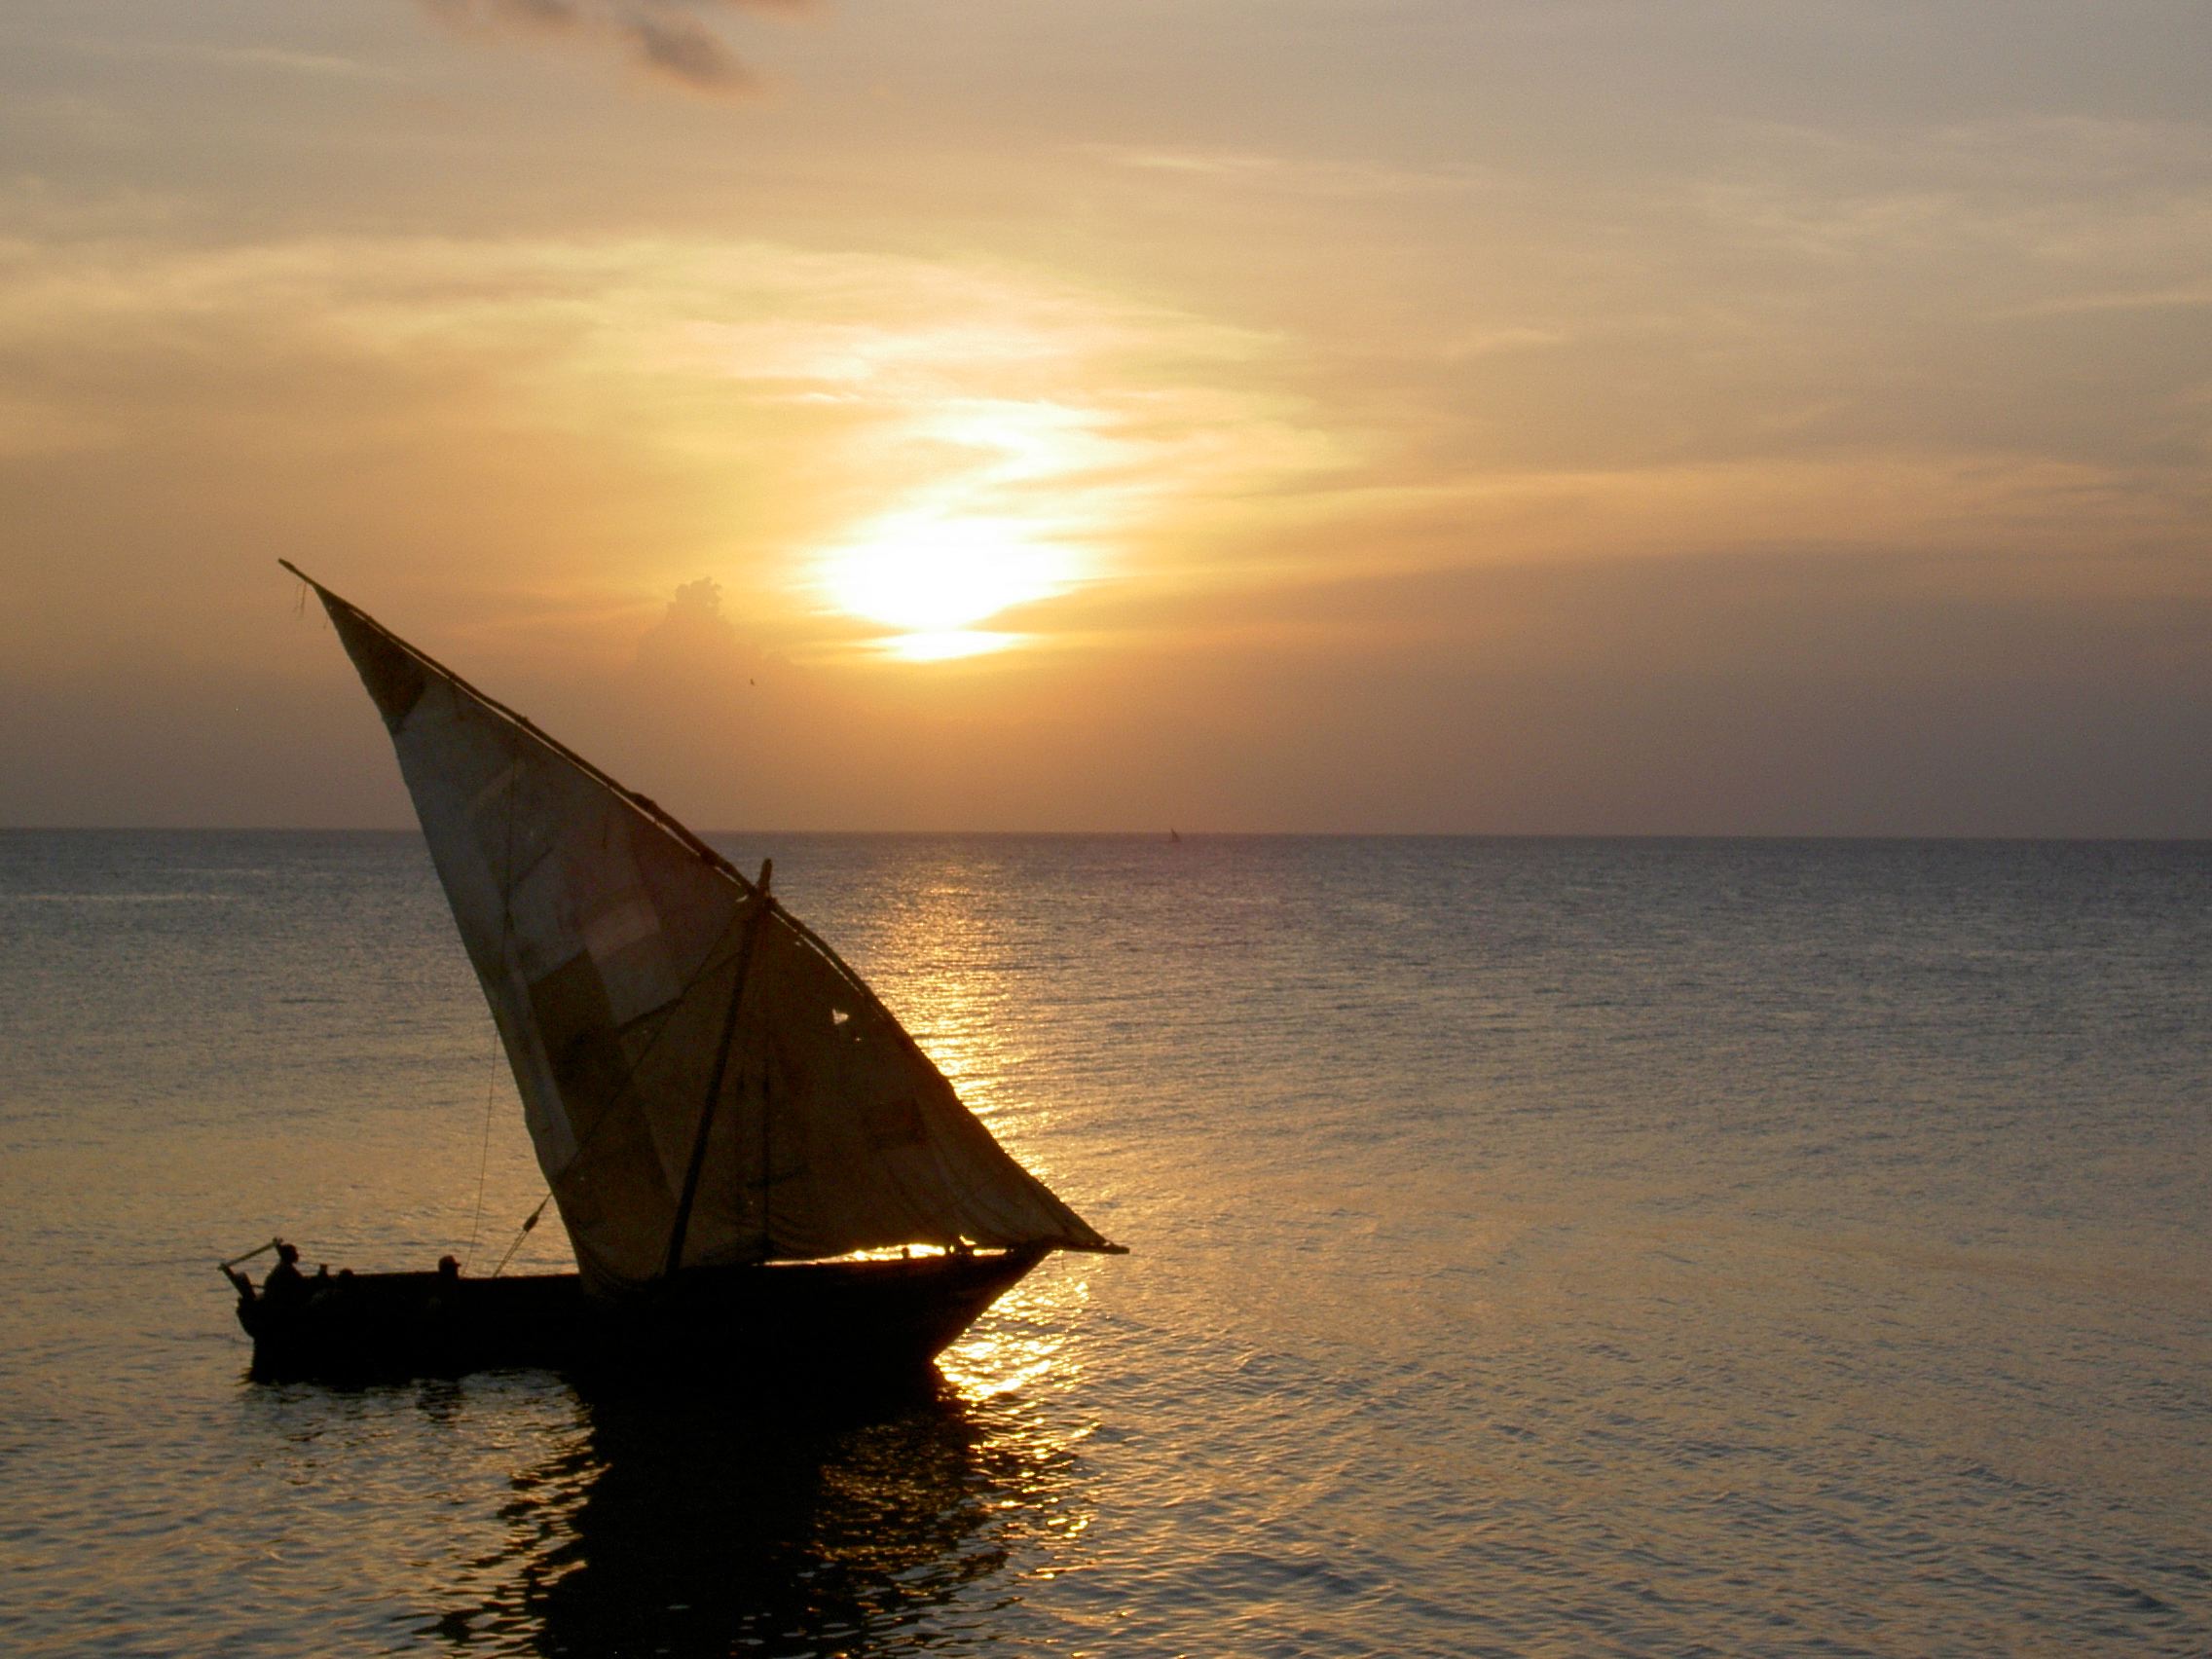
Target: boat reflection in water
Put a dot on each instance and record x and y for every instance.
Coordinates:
(701, 1520)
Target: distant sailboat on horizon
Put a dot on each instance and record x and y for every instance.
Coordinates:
(750, 1154)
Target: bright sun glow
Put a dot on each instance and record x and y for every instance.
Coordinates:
(1005, 502)
(939, 575)
(945, 646)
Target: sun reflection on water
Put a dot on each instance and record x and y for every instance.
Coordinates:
(711, 1521)
(1024, 1343)
(938, 942)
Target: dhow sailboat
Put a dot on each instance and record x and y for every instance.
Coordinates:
(758, 1166)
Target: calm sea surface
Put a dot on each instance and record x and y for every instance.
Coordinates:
(1541, 1247)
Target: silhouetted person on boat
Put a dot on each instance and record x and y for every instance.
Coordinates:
(284, 1284)
(444, 1286)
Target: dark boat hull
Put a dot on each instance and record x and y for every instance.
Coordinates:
(853, 1323)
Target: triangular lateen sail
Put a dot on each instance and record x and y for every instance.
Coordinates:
(608, 941)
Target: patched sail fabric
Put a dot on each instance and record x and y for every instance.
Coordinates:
(631, 973)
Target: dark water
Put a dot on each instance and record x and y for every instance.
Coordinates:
(1541, 1247)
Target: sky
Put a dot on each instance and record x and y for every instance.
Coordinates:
(1700, 416)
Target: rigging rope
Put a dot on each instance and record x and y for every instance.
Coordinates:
(484, 1153)
(529, 1222)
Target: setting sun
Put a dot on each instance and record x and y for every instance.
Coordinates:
(936, 576)
(947, 645)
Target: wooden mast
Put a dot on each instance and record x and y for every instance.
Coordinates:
(762, 903)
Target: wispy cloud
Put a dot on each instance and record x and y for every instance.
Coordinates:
(275, 60)
(2189, 297)
(665, 38)
(2063, 192)
(1315, 176)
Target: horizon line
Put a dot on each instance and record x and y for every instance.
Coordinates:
(1179, 833)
